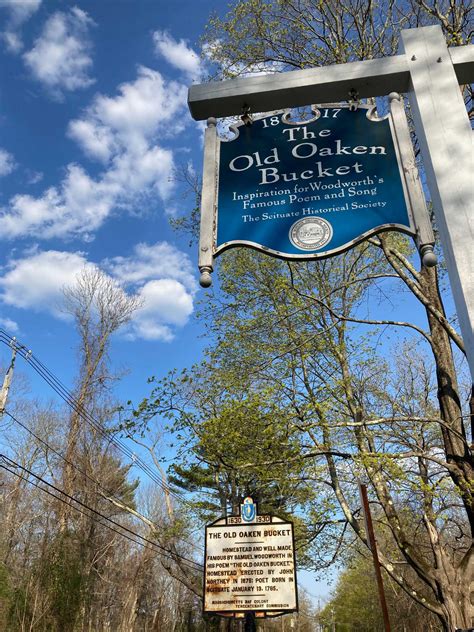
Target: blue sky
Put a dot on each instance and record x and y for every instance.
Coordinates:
(93, 126)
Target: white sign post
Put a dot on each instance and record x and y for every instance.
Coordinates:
(250, 567)
(431, 74)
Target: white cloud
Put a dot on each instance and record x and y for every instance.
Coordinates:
(166, 282)
(158, 261)
(123, 133)
(19, 12)
(9, 324)
(178, 54)
(95, 140)
(60, 58)
(166, 302)
(27, 214)
(132, 120)
(12, 41)
(7, 162)
(78, 206)
(134, 175)
(34, 176)
(36, 281)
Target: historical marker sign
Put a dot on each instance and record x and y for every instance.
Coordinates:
(250, 566)
(309, 188)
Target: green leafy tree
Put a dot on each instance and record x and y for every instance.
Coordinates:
(297, 326)
(233, 443)
(401, 431)
(5, 595)
(354, 606)
(290, 335)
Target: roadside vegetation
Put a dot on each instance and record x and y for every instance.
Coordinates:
(317, 376)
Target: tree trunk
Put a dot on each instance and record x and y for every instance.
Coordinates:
(457, 606)
(455, 441)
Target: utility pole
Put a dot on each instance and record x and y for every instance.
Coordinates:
(6, 383)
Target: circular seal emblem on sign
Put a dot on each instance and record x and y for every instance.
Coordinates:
(310, 233)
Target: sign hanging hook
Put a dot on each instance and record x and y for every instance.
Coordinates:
(353, 100)
(246, 116)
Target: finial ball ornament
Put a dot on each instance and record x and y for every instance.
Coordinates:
(205, 279)
(428, 257)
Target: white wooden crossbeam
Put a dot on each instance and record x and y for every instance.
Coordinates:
(263, 93)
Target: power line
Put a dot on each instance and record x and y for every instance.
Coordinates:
(76, 508)
(50, 447)
(66, 395)
(88, 476)
(42, 370)
(191, 563)
(95, 511)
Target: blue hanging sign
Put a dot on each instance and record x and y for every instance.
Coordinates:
(309, 189)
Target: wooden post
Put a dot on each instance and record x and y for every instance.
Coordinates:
(373, 548)
(445, 136)
(250, 625)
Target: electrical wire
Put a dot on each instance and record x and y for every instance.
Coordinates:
(42, 370)
(62, 391)
(76, 467)
(76, 508)
(187, 561)
(66, 395)
(94, 511)
(54, 451)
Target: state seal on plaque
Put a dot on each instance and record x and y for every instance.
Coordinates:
(310, 233)
(248, 510)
